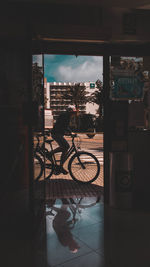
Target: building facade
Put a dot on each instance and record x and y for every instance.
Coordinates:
(55, 102)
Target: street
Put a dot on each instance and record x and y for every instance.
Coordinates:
(95, 143)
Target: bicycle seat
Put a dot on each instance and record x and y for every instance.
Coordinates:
(49, 141)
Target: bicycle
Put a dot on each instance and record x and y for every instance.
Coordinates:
(75, 205)
(41, 159)
(83, 166)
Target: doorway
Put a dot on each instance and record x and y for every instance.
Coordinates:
(64, 80)
(63, 196)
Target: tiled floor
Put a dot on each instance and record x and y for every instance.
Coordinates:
(122, 241)
(119, 237)
(75, 244)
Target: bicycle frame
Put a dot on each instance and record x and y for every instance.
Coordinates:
(69, 152)
(72, 149)
(73, 206)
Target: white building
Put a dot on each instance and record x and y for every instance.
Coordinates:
(52, 91)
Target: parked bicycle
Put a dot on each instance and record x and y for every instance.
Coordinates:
(83, 166)
(41, 159)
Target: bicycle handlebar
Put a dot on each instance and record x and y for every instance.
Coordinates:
(73, 135)
(47, 132)
(38, 135)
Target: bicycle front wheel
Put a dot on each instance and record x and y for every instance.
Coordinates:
(84, 167)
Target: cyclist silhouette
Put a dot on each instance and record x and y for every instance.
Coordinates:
(61, 127)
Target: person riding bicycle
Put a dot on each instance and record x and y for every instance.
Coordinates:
(61, 127)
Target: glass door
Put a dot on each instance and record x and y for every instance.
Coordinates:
(129, 128)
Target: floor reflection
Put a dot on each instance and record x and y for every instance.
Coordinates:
(75, 232)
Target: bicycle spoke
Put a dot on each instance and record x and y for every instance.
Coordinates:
(84, 167)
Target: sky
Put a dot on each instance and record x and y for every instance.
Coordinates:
(68, 68)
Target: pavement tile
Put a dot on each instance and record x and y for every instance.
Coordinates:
(88, 260)
(58, 253)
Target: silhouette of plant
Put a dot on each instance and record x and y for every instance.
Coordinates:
(97, 97)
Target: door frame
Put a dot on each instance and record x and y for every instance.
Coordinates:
(91, 48)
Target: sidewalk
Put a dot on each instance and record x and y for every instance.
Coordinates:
(64, 186)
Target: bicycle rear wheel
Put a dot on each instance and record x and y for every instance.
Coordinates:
(49, 167)
(84, 167)
(38, 167)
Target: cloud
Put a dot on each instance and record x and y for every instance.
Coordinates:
(89, 70)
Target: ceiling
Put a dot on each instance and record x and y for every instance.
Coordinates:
(140, 4)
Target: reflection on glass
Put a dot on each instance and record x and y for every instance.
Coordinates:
(64, 214)
(130, 81)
